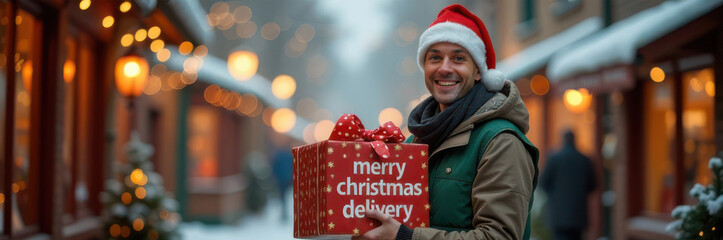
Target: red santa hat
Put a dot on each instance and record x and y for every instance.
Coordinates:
(456, 24)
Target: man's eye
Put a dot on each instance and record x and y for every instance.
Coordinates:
(459, 58)
(433, 57)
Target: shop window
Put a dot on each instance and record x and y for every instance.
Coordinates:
(527, 25)
(202, 141)
(4, 21)
(581, 120)
(24, 184)
(659, 157)
(76, 74)
(698, 132)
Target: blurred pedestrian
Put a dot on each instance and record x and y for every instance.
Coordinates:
(568, 178)
(282, 168)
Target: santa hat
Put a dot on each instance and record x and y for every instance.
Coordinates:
(456, 24)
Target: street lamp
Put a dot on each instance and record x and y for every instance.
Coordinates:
(131, 74)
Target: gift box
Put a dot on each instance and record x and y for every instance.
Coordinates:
(336, 180)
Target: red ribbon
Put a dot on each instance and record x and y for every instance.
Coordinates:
(350, 128)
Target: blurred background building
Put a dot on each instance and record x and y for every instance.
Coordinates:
(229, 84)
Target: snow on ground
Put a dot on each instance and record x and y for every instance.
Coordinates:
(266, 225)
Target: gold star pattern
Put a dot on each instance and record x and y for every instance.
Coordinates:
(410, 157)
(331, 225)
(357, 146)
(423, 153)
(344, 156)
(424, 165)
(332, 176)
(426, 206)
(422, 225)
(343, 145)
(398, 147)
(331, 212)
(426, 189)
(330, 150)
(331, 164)
(356, 232)
(328, 188)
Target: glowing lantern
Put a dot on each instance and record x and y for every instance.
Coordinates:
(131, 73)
(27, 74)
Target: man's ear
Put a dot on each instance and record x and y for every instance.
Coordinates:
(477, 75)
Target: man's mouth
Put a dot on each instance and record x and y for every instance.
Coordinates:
(446, 83)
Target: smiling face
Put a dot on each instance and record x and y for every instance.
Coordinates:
(449, 72)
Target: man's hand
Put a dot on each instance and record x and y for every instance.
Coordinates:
(387, 231)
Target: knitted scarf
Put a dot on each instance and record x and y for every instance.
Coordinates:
(432, 127)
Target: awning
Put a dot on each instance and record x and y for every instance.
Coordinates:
(536, 56)
(618, 44)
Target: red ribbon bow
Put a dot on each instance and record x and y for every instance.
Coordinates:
(350, 128)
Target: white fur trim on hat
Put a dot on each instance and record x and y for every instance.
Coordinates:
(459, 34)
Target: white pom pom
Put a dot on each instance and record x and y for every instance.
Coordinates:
(494, 80)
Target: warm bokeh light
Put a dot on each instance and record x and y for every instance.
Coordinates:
(125, 6)
(138, 224)
(249, 104)
(573, 97)
(283, 120)
(242, 14)
(539, 85)
(153, 85)
(136, 176)
(295, 48)
(710, 88)
(283, 86)
(108, 21)
(390, 114)
(163, 55)
(246, 29)
(305, 33)
(192, 65)
(323, 129)
(243, 64)
(657, 74)
(115, 230)
(131, 73)
(125, 231)
(127, 39)
(84, 4)
(270, 31)
(157, 45)
(68, 71)
(154, 32)
(27, 74)
(141, 192)
(141, 35)
(126, 198)
(185, 48)
(200, 51)
(2, 198)
(577, 101)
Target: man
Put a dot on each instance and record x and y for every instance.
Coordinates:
(568, 179)
(483, 169)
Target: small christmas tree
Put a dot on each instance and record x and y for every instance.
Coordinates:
(138, 207)
(705, 219)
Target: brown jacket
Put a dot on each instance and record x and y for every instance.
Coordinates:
(503, 186)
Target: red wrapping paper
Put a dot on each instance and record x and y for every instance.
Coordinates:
(336, 181)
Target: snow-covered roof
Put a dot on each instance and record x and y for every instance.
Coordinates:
(619, 43)
(537, 55)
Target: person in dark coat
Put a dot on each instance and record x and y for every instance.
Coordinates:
(568, 178)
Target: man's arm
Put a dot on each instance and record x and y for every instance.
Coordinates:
(500, 193)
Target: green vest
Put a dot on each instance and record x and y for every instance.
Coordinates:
(449, 194)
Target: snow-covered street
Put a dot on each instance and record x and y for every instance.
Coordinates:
(266, 225)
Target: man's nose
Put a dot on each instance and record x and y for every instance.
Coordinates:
(446, 66)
